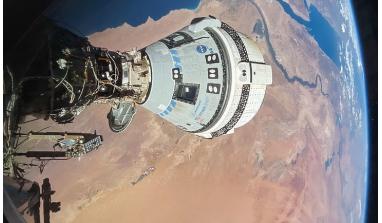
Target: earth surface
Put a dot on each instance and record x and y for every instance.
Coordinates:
(303, 158)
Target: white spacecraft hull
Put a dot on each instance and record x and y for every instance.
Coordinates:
(206, 79)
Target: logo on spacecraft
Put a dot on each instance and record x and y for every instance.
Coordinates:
(201, 48)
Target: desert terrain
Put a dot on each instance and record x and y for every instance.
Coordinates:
(270, 170)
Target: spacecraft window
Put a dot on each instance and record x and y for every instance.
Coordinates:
(196, 20)
(187, 93)
(177, 39)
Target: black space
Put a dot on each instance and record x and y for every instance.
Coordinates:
(367, 18)
(19, 16)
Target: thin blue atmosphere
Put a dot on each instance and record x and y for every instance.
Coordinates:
(320, 29)
(88, 16)
(361, 82)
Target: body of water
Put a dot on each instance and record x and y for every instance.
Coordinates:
(325, 35)
(88, 16)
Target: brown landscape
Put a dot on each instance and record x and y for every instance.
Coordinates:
(270, 170)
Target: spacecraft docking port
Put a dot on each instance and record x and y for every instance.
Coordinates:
(206, 79)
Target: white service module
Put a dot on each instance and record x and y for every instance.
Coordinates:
(206, 78)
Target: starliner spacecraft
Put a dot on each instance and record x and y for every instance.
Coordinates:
(206, 79)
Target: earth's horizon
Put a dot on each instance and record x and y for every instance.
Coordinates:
(303, 158)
